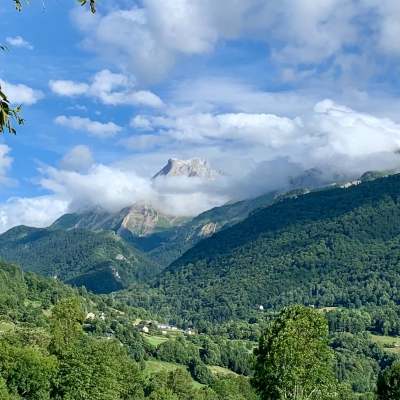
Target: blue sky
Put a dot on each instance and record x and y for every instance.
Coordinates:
(262, 89)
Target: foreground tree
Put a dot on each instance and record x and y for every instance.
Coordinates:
(66, 325)
(293, 359)
(92, 4)
(98, 369)
(388, 386)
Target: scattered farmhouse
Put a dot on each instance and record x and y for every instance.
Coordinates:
(167, 327)
(142, 328)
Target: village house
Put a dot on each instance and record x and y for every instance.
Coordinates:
(90, 315)
(142, 328)
(190, 331)
(167, 327)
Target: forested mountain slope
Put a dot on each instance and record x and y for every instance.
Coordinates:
(205, 225)
(102, 261)
(334, 247)
(165, 238)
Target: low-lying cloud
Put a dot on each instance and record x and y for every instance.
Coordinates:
(260, 152)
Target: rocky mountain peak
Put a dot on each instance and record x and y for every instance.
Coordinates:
(191, 168)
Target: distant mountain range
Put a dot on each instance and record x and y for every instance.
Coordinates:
(109, 251)
(338, 246)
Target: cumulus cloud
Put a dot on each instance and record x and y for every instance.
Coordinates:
(94, 128)
(106, 186)
(18, 41)
(332, 135)
(140, 123)
(109, 88)
(225, 93)
(79, 158)
(301, 33)
(21, 94)
(68, 88)
(38, 211)
(260, 151)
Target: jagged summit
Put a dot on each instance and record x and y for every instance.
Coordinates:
(191, 168)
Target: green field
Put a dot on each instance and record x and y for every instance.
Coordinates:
(157, 366)
(155, 340)
(221, 370)
(34, 303)
(37, 304)
(327, 309)
(387, 340)
(6, 326)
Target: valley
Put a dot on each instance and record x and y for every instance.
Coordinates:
(225, 274)
(200, 200)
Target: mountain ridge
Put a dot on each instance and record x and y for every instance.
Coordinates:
(101, 261)
(192, 167)
(325, 248)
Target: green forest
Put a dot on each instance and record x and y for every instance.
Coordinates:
(100, 261)
(325, 259)
(335, 247)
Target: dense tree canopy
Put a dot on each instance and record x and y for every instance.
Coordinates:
(100, 261)
(293, 359)
(389, 383)
(336, 247)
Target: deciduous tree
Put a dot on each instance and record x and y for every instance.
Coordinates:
(389, 383)
(293, 359)
(66, 326)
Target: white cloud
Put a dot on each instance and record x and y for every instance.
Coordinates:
(94, 128)
(38, 211)
(111, 36)
(331, 135)
(5, 166)
(106, 186)
(226, 93)
(68, 88)
(79, 158)
(109, 88)
(20, 94)
(18, 41)
(260, 152)
(140, 123)
(301, 34)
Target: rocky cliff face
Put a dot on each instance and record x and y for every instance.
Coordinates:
(140, 219)
(193, 167)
